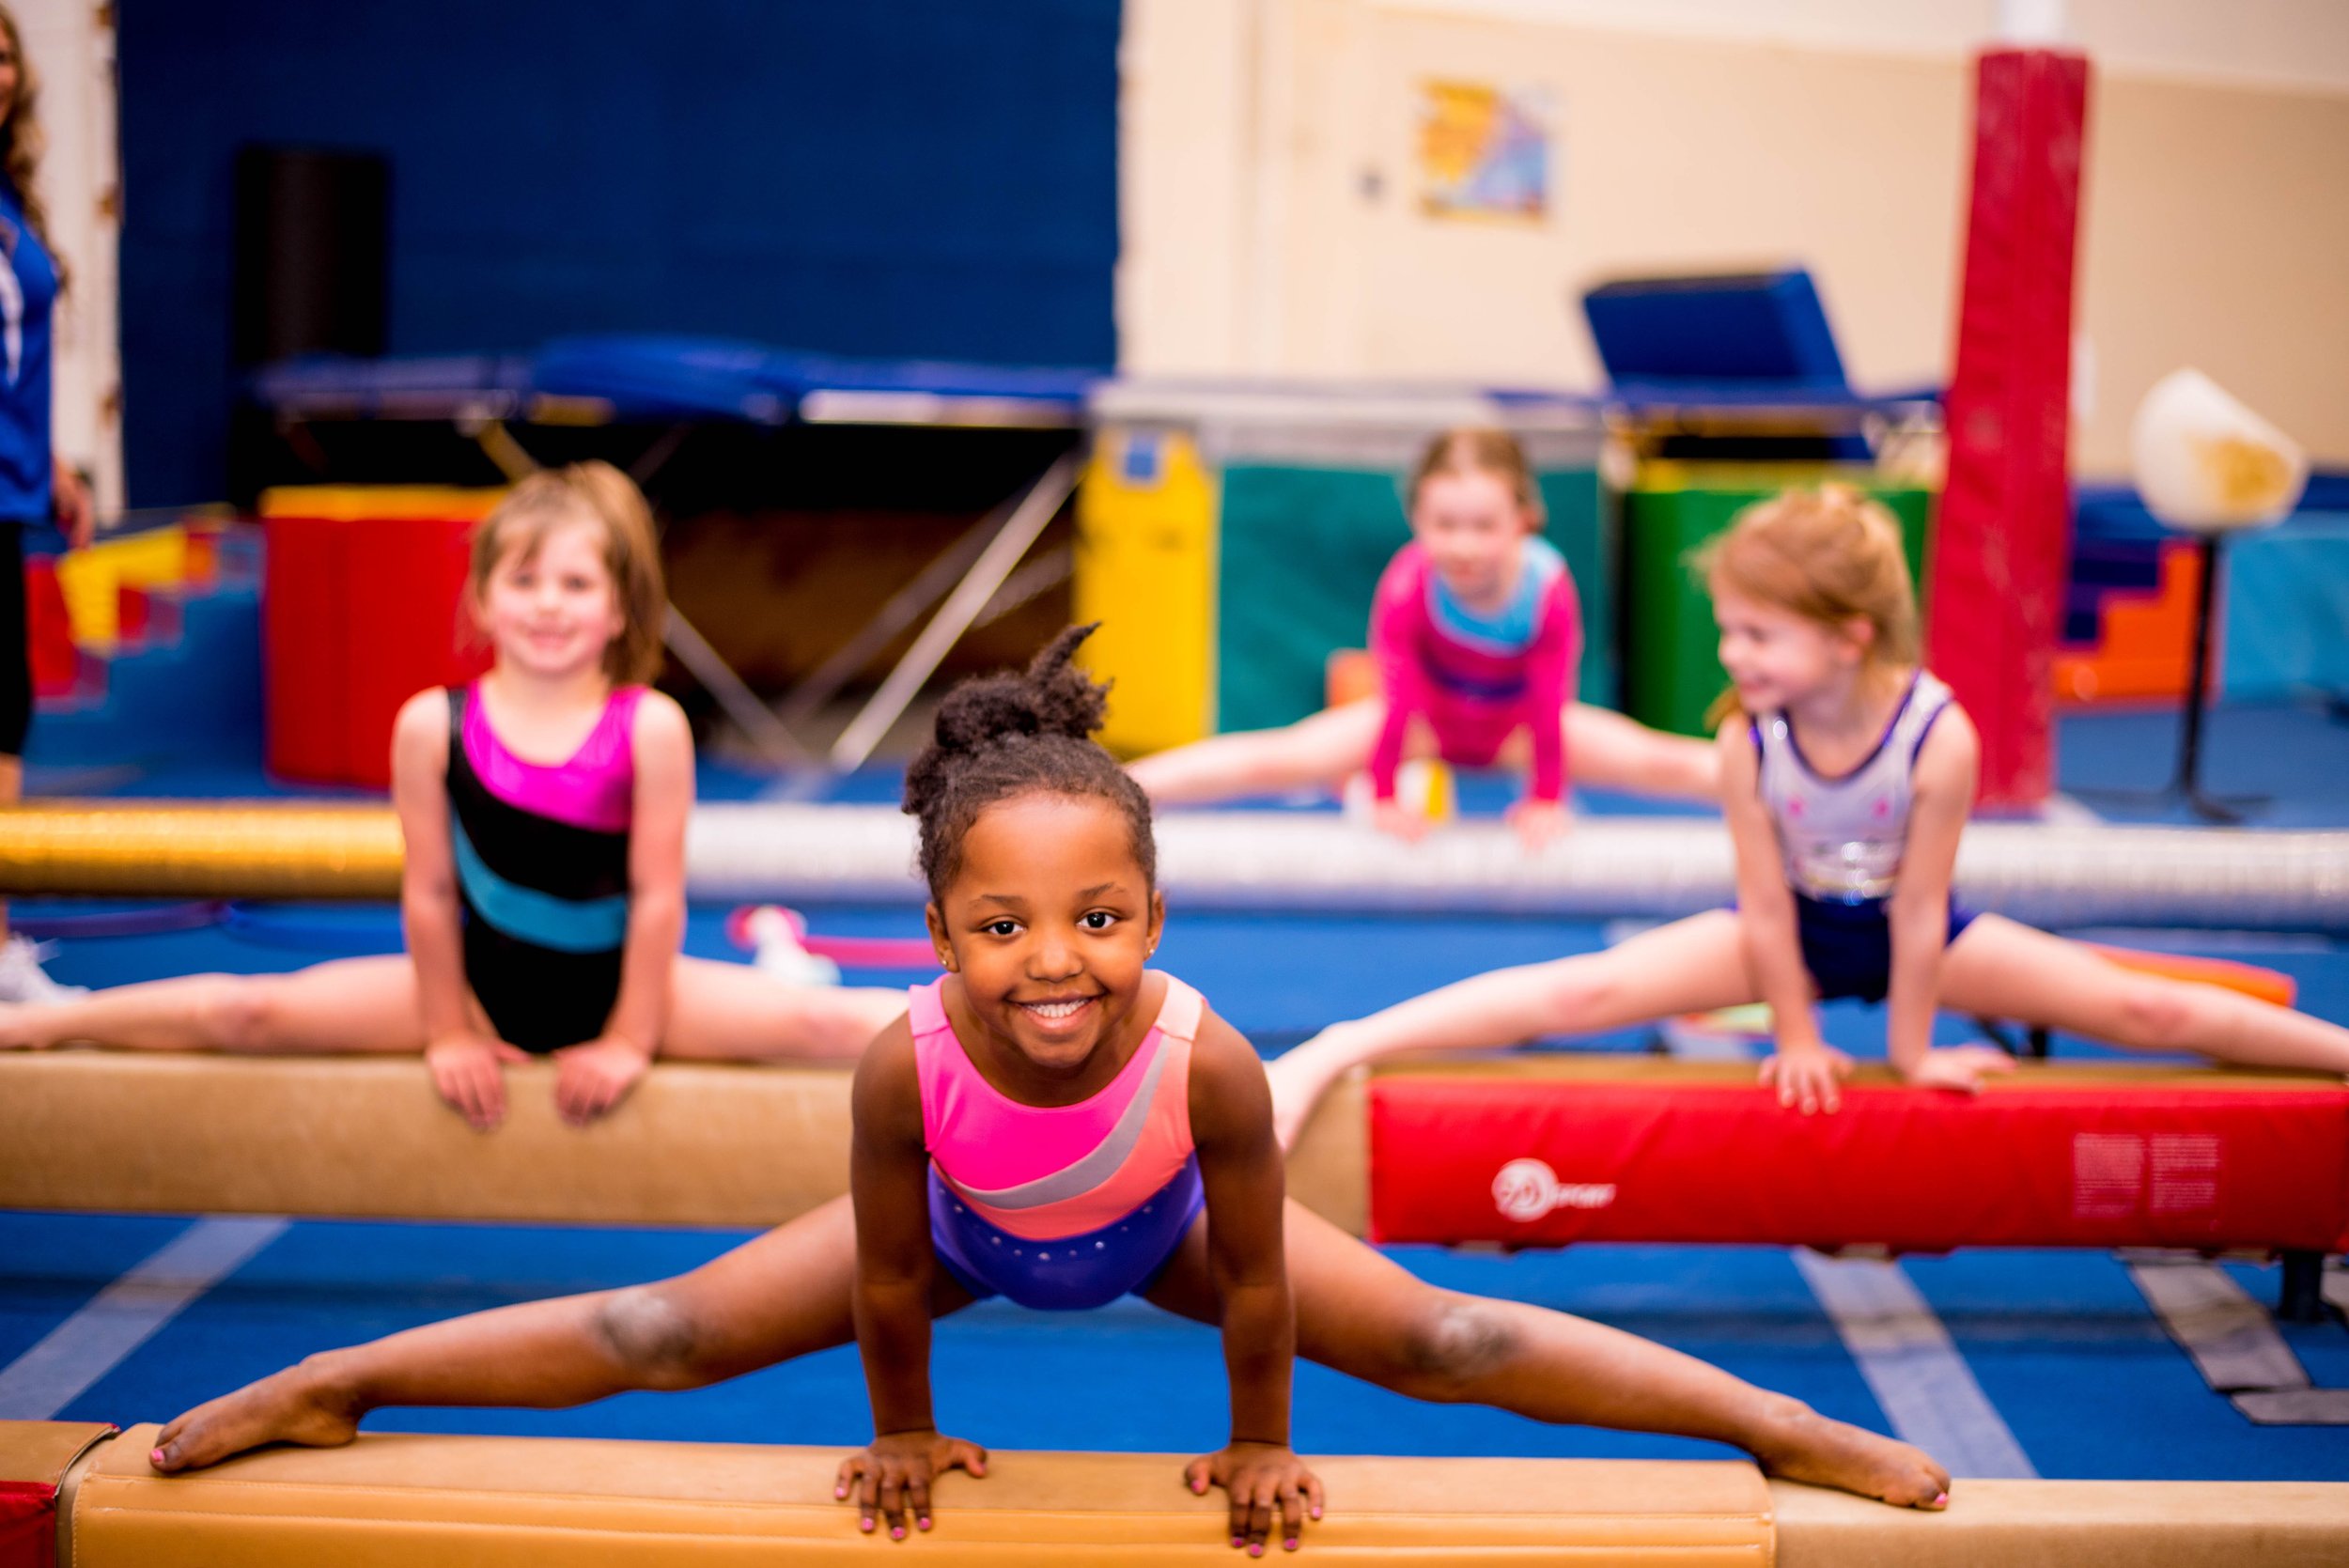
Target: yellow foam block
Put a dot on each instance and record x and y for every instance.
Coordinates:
(390, 503)
(91, 579)
(552, 1503)
(1146, 569)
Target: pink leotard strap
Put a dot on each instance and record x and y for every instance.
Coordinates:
(596, 787)
(1048, 1172)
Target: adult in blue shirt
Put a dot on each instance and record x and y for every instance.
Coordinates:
(33, 485)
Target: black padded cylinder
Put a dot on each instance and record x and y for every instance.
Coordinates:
(313, 234)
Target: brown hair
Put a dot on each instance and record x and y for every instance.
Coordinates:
(1831, 555)
(1473, 450)
(23, 142)
(590, 490)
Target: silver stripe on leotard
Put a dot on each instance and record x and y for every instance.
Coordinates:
(1842, 838)
(1074, 1181)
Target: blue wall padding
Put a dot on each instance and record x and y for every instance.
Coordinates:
(926, 178)
(1751, 327)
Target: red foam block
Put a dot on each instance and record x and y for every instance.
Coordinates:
(1543, 1162)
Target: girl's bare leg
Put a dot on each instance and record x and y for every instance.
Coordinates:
(1610, 750)
(2001, 969)
(1694, 965)
(778, 1295)
(1361, 1312)
(721, 1012)
(350, 1004)
(1324, 748)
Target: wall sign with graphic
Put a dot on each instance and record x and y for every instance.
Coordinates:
(1485, 151)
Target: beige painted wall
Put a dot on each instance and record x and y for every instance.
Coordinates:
(1272, 223)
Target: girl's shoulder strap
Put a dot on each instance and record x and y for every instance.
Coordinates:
(1929, 697)
(461, 707)
(1179, 1015)
(926, 1009)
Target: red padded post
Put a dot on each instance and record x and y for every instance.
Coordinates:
(305, 645)
(406, 628)
(2002, 535)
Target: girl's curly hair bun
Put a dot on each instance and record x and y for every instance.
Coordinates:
(1004, 735)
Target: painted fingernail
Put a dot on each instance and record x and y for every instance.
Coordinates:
(157, 1458)
(1943, 1500)
(897, 1532)
(1255, 1548)
(1291, 1543)
(1235, 1540)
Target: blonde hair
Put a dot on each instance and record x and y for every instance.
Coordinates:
(1831, 555)
(22, 143)
(595, 492)
(1473, 450)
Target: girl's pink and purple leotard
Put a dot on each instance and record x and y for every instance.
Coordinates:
(1475, 677)
(1059, 1207)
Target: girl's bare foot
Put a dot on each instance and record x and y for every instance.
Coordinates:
(1806, 1446)
(289, 1407)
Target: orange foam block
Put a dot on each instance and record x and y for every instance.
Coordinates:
(2147, 643)
(2264, 984)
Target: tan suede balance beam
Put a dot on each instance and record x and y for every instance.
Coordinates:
(566, 1502)
(365, 1137)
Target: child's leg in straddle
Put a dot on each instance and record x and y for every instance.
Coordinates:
(1999, 969)
(721, 1012)
(350, 1004)
(1606, 750)
(780, 1294)
(1324, 748)
(1365, 1315)
(1691, 966)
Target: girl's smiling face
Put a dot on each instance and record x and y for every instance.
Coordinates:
(1473, 531)
(552, 609)
(1776, 658)
(1049, 923)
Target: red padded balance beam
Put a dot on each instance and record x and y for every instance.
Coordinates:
(1543, 1151)
(2004, 530)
